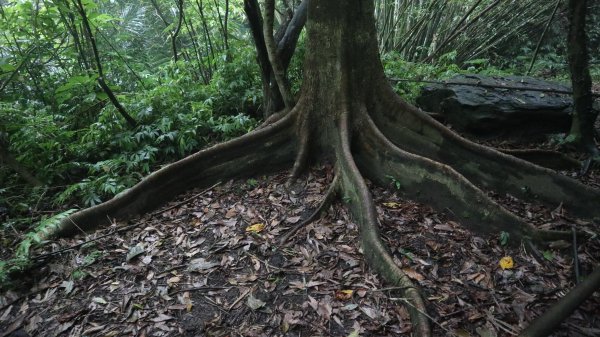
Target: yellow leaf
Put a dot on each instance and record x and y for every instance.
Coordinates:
(507, 262)
(256, 228)
(391, 204)
(344, 295)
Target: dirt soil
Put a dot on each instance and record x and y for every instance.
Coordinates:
(210, 264)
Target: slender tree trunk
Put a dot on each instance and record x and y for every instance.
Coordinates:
(211, 51)
(286, 38)
(582, 126)
(101, 81)
(539, 44)
(175, 33)
(279, 71)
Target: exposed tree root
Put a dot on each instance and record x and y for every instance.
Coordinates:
(323, 206)
(304, 147)
(417, 133)
(441, 187)
(355, 192)
(262, 151)
(546, 158)
(551, 319)
(427, 167)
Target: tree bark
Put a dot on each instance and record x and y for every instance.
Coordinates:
(582, 126)
(286, 38)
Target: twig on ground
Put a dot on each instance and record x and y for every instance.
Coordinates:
(407, 302)
(185, 201)
(327, 200)
(242, 296)
(575, 257)
(206, 288)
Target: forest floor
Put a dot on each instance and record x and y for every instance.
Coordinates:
(210, 264)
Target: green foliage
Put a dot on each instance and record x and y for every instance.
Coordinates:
(92, 257)
(82, 142)
(406, 76)
(395, 182)
(44, 227)
(11, 267)
(548, 255)
(409, 255)
(177, 118)
(504, 236)
(78, 274)
(397, 68)
(252, 182)
(21, 261)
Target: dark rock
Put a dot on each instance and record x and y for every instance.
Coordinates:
(486, 111)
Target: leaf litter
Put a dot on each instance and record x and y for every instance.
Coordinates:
(212, 266)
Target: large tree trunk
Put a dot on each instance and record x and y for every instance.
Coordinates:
(348, 114)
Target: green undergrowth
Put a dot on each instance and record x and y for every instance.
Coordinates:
(83, 151)
(14, 267)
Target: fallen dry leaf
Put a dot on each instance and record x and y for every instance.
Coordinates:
(344, 295)
(506, 263)
(411, 273)
(254, 303)
(256, 228)
(201, 264)
(162, 318)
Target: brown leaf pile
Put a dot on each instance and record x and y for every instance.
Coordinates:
(213, 267)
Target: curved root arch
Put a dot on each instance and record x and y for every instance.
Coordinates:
(412, 130)
(440, 186)
(262, 151)
(355, 191)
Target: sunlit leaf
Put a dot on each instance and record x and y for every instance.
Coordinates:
(507, 262)
(256, 228)
(344, 295)
(354, 334)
